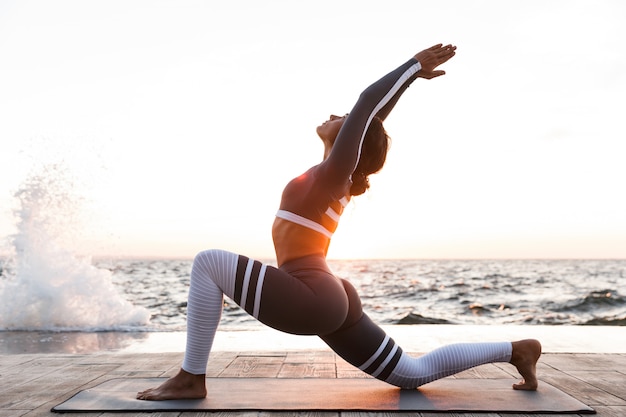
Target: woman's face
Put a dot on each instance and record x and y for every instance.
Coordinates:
(328, 130)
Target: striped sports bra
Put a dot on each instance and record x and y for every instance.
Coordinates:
(310, 224)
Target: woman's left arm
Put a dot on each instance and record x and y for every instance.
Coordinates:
(378, 100)
(429, 59)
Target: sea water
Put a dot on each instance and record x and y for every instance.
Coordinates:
(151, 295)
(542, 292)
(45, 285)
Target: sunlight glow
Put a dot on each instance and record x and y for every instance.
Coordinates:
(182, 121)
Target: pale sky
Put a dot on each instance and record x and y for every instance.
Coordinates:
(178, 123)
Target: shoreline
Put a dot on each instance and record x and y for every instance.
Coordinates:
(412, 338)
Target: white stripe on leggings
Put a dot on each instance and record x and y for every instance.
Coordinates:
(386, 361)
(246, 283)
(257, 294)
(376, 354)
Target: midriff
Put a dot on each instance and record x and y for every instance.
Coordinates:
(292, 241)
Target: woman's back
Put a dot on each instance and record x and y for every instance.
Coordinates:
(309, 213)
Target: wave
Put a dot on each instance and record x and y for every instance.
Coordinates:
(593, 301)
(45, 285)
(606, 321)
(413, 318)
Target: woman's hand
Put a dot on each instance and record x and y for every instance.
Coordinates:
(431, 58)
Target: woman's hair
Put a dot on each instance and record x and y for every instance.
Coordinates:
(373, 156)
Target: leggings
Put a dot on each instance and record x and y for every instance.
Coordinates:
(304, 297)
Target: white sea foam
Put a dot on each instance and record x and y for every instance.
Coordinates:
(46, 284)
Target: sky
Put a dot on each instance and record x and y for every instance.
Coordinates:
(162, 128)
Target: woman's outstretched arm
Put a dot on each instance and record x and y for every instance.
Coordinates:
(378, 100)
(429, 59)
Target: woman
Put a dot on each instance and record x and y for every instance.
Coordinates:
(302, 296)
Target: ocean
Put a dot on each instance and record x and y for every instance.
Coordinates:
(46, 286)
(81, 294)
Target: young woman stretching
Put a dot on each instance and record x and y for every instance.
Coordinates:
(302, 296)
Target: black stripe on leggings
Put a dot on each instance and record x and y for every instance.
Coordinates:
(391, 365)
(242, 262)
(254, 278)
(381, 357)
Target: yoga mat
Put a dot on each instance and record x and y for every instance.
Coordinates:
(317, 394)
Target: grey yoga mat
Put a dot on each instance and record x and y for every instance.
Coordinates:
(274, 394)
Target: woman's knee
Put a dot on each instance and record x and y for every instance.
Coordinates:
(216, 265)
(209, 255)
(214, 258)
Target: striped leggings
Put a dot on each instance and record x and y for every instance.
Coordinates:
(304, 297)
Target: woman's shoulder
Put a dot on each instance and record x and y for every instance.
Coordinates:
(317, 183)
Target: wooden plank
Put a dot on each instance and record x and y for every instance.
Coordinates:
(14, 413)
(308, 370)
(351, 372)
(64, 381)
(618, 411)
(579, 389)
(25, 372)
(218, 362)
(311, 356)
(585, 362)
(612, 382)
(7, 361)
(309, 364)
(150, 362)
(13, 401)
(254, 366)
(346, 370)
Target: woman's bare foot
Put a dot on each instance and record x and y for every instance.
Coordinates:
(182, 386)
(525, 356)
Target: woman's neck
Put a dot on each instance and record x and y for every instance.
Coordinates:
(327, 148)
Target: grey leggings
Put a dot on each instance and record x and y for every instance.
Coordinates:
(304, 297)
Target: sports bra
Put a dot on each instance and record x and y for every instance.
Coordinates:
(308, 223)
(316, 199)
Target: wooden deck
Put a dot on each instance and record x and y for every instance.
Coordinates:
(31, 384)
